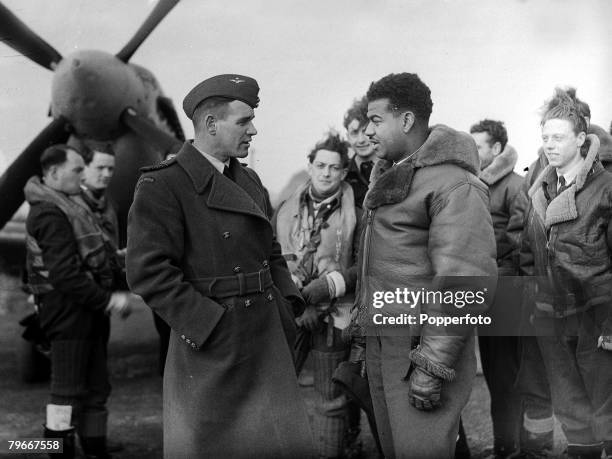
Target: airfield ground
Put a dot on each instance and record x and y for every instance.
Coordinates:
(136, 403)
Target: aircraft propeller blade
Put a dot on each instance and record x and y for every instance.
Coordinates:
(160, 11)
(150, 133)
(26, 165)
(17, 35)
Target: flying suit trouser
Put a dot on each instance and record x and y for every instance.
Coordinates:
(404, 431)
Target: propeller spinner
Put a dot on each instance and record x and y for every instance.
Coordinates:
(91, 89)
(96, 96)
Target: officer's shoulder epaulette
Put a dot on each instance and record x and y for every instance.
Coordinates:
(165, 163)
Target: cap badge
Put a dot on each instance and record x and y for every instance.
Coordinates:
(237, 80)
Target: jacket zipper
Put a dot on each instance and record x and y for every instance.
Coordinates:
(366, 251)
(550, 257)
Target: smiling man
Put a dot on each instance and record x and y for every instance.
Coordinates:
(361, 164)
(420, 232)
(568, 240)
(97, 174)
(319, 227)
(202, 254)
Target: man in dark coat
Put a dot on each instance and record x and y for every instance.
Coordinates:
(72, 274)
(201, 253)
(500, 354)
(420, 236)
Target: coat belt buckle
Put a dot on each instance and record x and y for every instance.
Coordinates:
(261, 280)
(210, 287)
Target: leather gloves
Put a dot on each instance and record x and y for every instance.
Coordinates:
(309, 319)
(297, 304)
(424, 389)
(605, 340)
(317, 291)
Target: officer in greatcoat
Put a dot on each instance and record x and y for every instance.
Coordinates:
(201, 252)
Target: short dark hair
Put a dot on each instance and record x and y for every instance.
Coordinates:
(405, 91)
(54, 155)
(332, 142)
(87, 148)
(496, 130)
(216, 105)
(358, 111)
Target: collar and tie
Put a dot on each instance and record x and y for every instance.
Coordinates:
(228, 173)
(366, 169)
(562, 186)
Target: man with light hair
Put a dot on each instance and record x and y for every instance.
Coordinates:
(568, 239)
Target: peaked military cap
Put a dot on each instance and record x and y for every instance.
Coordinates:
(238, 87)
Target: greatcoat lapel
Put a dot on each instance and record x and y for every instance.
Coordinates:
(240, 196)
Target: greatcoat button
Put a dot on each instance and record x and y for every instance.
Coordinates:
(265, 263)
(237, 269)
(270, 297)
(182, 336)
(193, 345)
(226, 235)
(247, 303)
(188, 341)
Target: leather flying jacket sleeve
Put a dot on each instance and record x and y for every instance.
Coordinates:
(350, 274)
(463, 255)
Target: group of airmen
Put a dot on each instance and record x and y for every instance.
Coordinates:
(249, 293)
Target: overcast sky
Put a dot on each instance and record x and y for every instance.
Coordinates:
(497, 58)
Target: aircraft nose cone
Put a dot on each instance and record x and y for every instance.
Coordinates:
(91, 89)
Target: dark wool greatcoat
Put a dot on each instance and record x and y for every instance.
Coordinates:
(230, 388)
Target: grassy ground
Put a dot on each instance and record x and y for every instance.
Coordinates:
(136, 404)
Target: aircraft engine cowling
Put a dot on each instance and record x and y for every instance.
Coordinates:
(91, 89)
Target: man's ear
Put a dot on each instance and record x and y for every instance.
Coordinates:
(581, 137)
(53, 172)
(407, 121)
(496, 148)
(210, 123)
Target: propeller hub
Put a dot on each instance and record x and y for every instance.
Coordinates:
(91, 89)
